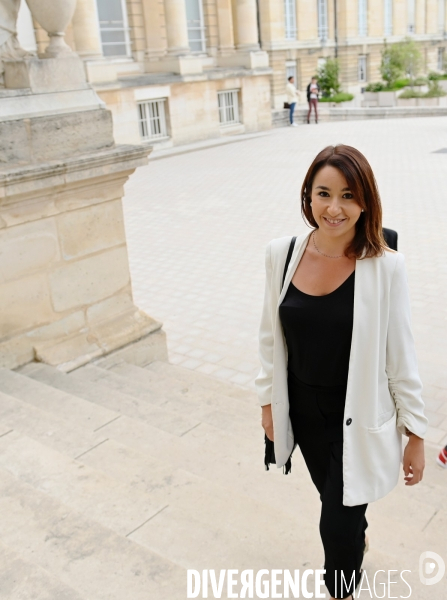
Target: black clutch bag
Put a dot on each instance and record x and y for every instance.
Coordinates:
(269, 455)
(286, 105)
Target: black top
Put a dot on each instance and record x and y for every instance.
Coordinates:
(318, 331)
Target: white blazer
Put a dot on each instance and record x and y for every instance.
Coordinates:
(384, 390)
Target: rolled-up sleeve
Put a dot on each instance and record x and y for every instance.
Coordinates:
(402, 369)
(263, 381)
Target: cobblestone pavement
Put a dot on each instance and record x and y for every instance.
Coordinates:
(197, 225)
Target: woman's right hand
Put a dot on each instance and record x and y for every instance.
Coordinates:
(267, 421)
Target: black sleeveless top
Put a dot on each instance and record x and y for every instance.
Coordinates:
(318, 332)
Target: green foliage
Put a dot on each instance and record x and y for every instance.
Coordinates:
(420, 81)
(340, 97)
(433, 76)
(410, 94)
(379, 86)
(328, 78)
(403, 58)
(391, 67)
(434, 90)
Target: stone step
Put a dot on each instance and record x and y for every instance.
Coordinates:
(97, 496)
(50, 399)
(23, 580)
(228, 414)
(112, 399)
(174, 372)
(84, 555)
(45, 427)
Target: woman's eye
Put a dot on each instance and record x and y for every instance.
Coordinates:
(348, 196)
(323, 194)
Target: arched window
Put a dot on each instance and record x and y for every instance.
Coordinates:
(112, 16)
(290, 19)
(196, 25)
(388, 18)
(322, 20)
(363, 17)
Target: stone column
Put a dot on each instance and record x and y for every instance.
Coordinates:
(225, 26)
(86, 30)
(153, 26)
(176, 28)
(247, 27)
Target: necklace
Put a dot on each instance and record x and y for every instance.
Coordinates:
(322, 253)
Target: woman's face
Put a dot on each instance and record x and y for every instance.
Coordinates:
(333, 204)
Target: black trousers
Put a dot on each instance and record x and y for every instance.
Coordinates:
(317, 420)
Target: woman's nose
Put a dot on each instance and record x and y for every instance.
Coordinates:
(334, 207)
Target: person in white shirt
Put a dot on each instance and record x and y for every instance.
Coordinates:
(292, 95)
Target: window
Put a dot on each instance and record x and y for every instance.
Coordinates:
(441, 60)
(363, 17)
(322, 20)
(228, 107)
(196, 26)
(113, 27)
(362, 68)
(388, 15)
(411, 15)
(441, 16)
(291, 70)
(152, 119)
(290, 19)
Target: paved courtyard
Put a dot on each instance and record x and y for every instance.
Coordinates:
(198, 222)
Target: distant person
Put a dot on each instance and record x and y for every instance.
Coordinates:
(313, 90)
(292, 98)
(442, 458)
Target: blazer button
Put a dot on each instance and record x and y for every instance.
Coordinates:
(349, 421)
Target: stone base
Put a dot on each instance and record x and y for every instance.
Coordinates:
(100, 71)
(47, 75)
(249, 60)
(182, 65)
(56, 346)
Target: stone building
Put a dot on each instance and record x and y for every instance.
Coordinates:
(174, 71)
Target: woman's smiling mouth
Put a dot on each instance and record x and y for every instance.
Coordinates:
(334, 222)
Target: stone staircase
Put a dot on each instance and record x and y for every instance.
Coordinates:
(115, 479)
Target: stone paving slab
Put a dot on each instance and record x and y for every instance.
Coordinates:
(197, 225)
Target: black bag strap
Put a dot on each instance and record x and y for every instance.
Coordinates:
(289, 256)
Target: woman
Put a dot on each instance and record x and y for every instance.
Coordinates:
(313, 90)
(339, 375)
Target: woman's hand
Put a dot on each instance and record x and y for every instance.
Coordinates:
(267, 421)
(414, 460)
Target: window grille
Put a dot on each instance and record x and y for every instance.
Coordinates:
(362, 69)
(196, 25)
(388, 17)
(411, 16)
(441, 16)
(363, 17)
(290, 19)
(322, 20)
(114, 30)
(152, 119)
(228, 107)
(291, 71)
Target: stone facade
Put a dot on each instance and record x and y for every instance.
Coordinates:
(166, 56)
(65, 288)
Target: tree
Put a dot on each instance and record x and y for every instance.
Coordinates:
(328, 75)
(411, 58)
(391, 67)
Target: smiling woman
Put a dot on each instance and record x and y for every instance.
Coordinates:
(339, 374)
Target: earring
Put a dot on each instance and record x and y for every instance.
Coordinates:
(311, 203)
(363, 210)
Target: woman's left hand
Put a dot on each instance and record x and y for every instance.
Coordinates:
(414, 460)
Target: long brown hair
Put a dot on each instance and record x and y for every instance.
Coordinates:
(368, 239)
